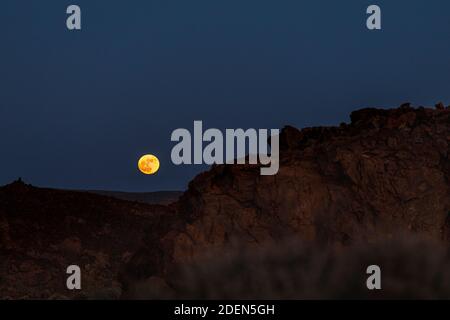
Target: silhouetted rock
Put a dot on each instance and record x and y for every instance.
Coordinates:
(440, 106)
(405, 105)
(386, 172)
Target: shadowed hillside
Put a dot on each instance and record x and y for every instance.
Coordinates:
(158, 197)
(385, 173)
(42, 231)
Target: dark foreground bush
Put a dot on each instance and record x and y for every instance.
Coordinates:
(410, 268)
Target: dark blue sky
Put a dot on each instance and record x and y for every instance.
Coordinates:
(77, 109)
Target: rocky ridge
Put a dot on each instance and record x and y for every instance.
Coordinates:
(385, 173)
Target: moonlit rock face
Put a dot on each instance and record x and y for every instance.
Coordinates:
(148, 164)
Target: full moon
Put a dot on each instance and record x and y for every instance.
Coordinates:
(148, 164)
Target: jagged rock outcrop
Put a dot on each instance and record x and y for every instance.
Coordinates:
(384, 173)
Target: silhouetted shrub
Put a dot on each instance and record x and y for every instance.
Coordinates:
(410, 267)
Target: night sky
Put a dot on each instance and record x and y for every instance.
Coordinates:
(77, 109)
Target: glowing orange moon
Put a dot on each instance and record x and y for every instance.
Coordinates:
(148, 164)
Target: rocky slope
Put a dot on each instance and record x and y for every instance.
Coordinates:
(158, 197)
(43, 231)
(385, 173)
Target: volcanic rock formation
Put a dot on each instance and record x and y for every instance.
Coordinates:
(385, 173)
